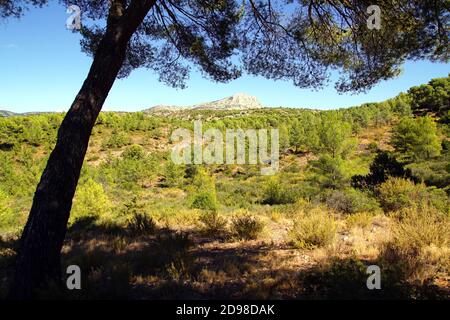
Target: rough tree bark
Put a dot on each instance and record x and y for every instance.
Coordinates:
(38, 259)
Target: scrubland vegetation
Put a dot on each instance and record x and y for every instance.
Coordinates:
(358, 186)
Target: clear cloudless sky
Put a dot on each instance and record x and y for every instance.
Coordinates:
(42, 68)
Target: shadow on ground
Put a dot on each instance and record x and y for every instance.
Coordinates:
(117, 264)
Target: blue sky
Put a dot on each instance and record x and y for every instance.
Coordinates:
(42, 68)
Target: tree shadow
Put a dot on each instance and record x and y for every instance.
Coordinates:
(93, 228)
(115, 264)
(345, 279)
(8, 249)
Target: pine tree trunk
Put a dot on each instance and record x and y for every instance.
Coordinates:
(38, 260)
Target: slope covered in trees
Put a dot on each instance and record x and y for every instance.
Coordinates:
(356, 186)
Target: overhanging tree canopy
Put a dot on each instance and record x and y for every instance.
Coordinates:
(301, 40)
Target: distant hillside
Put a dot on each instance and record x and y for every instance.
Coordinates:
(4, 113)
(239, 101)
(164, 108)
(431, 98)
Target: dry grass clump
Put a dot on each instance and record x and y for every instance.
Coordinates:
(246, 226)
(315, 229)
(361, 220)
(176, 219)
(141, 224)
(419, 249)
(212, 224)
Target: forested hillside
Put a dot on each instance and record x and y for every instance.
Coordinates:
(357, 186)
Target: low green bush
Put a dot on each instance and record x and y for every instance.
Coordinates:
(276, 193)
(204, 200)
(116, 140)
(396, 194)
(90, 200)
(350, 201)
(134, 152)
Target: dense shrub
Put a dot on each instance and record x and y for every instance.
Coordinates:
(34, 135)
(396, 194)
(275, 193)
(420, 245)
(134, 152)
(90, 200)
(315, 229)
(246, 226)
(212, 224)
(141, 224)
(204, 200)
(350, 201)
